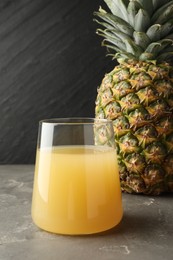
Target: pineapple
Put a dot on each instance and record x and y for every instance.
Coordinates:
(137, 95)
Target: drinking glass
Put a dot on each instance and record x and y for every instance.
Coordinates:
(76, 185)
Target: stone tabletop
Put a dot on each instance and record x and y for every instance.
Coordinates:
(145, 233)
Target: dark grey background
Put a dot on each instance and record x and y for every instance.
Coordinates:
(51, 63)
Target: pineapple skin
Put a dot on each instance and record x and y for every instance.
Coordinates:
(138, 97)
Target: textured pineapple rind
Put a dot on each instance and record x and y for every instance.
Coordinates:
(137, 97)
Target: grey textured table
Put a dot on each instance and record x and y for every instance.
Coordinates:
(146, 231)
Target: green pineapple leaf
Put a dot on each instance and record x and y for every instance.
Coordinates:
(163, 14)
(111, 47)
(147, 5)
(166, 28)
(120, 35)
(106, 25)
(165, 57)
(132, 48)
(123, 56)
(154, 32)
(170, 36)
(135, 33)
(141, 39)
(141, 16)
(158, 3)
(133, 9)
(118, 8)
(157, 31)
(157, 47)
(115, 21)
(110, 37)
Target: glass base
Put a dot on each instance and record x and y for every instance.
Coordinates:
(80, 229)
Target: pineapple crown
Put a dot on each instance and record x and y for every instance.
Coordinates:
(139, 30)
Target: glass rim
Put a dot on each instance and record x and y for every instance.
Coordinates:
(75, 121)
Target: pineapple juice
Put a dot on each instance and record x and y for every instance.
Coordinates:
(76, 189)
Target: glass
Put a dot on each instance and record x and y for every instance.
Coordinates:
(76, 184)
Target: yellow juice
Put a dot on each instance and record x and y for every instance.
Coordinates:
(76, 190)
